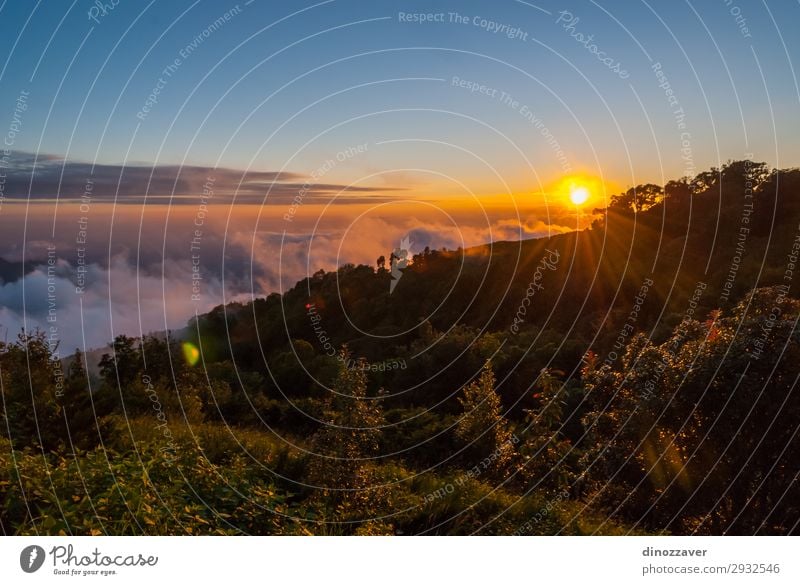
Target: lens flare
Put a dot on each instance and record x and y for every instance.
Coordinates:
(190, 353)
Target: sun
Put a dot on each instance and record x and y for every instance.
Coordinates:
(578, 194)
(579, 190)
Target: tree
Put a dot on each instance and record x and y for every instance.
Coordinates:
(639, 198)
(344, 478)
(549, 457)
(82, 420)
(705, 181)
(697, 434)
(32, 379)
(121, 367)
(678, 191)
(482, 428)
(745, 173)
(163, 358)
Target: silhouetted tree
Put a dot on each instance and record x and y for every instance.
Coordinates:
(638, 198)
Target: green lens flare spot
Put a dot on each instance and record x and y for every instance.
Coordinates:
(191, 353)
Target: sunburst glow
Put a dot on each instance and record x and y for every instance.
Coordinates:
(578, 195)
(580, 190)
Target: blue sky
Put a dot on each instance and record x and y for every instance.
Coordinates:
(227, 103)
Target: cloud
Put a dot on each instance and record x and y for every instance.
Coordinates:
(115, 300)
(140, 259)
(150, 290)
(512, 229)
(282, 260)
(45, 176)
(11, 271)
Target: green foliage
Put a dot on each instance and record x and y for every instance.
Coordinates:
(675, 426)
(482, 429)
(690, 429)
(341, 470)
(40, 398)
(549, 457)
(140, 492)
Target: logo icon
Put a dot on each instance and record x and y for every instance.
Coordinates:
(31, 558)
(397, 261)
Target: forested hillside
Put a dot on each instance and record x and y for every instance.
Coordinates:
(638, 376)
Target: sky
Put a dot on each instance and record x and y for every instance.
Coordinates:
(326, 132)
